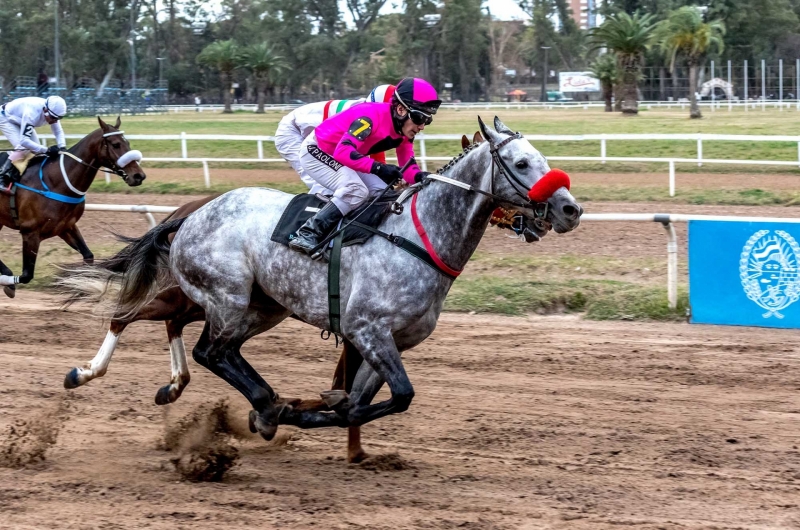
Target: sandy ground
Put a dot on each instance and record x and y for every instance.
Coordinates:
(546, 422)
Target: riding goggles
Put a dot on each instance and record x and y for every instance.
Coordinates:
(52, 114)
(417, 116)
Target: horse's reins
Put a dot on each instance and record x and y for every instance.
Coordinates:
(116, 170)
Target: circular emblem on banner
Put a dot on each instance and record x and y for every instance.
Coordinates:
(768, 269)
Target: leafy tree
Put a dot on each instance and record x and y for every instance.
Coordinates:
(222, 56)
(604, 68)
(262, 61)
(629, 37)
(685, 33)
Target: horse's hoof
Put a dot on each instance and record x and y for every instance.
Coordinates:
(10, 290)
(72, 379)
(357, 457)
(163, 396)
(334, 398)
(258, 425)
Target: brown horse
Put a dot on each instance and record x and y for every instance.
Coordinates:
(177, 311)
(49, 199)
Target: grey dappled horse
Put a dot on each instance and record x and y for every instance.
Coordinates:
(390, 299)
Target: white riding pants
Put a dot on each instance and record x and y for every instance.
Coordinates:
(288, 142)
(350, 188)
(12, 134)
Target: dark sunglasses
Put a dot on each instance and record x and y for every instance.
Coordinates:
(417, 116)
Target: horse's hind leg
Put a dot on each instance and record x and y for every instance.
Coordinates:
(343, 378)
(10, 290)
(218, 350)
(180, 368)
(97, 367)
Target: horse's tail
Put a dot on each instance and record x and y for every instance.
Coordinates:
(121, 285)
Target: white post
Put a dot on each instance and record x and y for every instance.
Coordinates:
(699, 152)
(745, 85)
(780, 83)
(603, 150)
(423, 152)
(206, 175)
(763, 85)
(730, 98)
(671, 178)
(713, 91)
(108, 178)
(184, 151)
(672, 266)
(150, 219)
(260, 149)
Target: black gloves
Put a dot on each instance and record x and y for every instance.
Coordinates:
(419, 176)
(52, 151)
(388, 173)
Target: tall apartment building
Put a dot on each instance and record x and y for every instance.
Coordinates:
(584, 12)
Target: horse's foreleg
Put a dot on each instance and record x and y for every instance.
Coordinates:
(10, 290)
(343, 378)
(74, 238)
(98, 366)
(180, 368)
(383, 364)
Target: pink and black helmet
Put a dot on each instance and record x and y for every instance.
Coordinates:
(417, 94)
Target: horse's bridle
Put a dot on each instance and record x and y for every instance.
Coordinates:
(540, 209)
(114, 169)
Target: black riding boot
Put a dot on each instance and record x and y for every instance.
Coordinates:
(316, 228)
(8, 175)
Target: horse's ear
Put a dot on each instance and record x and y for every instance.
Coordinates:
(501, 127)
(488, 133)
(464, 141)
(103, 125)
(477, 138)
(119, 122)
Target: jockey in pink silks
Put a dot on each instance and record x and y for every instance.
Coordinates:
(336, 154)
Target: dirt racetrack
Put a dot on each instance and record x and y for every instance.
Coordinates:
(540, 422)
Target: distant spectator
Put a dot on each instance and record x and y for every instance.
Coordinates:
(42, 83)
(197, 103)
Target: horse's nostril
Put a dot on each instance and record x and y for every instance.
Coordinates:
(570, 211)
(139, 176)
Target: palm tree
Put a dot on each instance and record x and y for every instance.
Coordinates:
(628, 36)
(261, 60)
(604, 69)
(222, 56)
(684, 33)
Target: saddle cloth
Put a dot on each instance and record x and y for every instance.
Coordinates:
(303, 206)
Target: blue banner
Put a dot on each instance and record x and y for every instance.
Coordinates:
(744, 274)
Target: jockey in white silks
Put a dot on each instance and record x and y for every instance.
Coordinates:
(18, 121)
(298, 124)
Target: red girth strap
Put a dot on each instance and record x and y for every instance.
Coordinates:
(427, 242)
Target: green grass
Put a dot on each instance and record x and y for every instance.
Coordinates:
(597, 299)
(575, 121)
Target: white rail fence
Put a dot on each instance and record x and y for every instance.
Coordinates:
(667, 221)
(603, 158)
(719, 104)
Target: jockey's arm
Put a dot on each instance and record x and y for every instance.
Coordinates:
(26, 131)
(405, 152)
(58, 132)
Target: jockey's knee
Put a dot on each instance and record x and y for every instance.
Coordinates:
(352, 194)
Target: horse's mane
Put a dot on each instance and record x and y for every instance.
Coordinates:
(457, 158)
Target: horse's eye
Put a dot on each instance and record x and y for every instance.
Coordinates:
(522, 164)
(116, 145)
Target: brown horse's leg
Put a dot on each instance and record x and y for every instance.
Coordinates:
(349, 363)
(10, 290)
(30, 249)
(97, 367)
(74, 238)
(180, 368)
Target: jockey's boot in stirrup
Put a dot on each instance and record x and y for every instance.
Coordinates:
(316, 228)
(8, 175)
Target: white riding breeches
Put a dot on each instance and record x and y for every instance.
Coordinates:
(350, 188)
(12, 134)
(288, 142)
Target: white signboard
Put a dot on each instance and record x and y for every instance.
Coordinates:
(578, 82)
